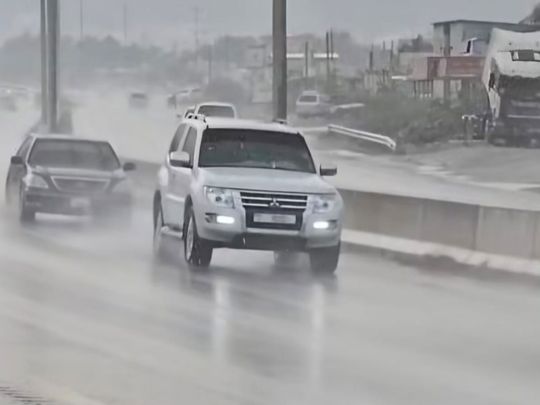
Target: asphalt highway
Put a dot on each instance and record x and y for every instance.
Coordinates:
(87, 317)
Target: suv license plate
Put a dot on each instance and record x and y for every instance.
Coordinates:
(275, 219)
(80, 203)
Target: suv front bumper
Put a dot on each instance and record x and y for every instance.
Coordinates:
(236, 233)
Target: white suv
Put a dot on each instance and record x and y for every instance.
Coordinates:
(246, 185)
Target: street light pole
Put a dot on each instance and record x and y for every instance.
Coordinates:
(44, 65)
(280, 59)
(81, 19)
(53, 33)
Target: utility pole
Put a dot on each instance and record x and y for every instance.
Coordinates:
(81, 19)
(196, 34)
(306, 61)
(210, 62)
(52, 35)
(332, 61)
(125, 22)
(280, 59)
(44, 65)
(327, 60)
(446, 52)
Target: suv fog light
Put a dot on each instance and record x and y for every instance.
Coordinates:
(321, 225)
(225, 220)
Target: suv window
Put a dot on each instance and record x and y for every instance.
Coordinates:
(190, 143)
(175, 143)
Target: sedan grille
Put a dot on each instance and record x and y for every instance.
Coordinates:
(274, 201)
(78, 185)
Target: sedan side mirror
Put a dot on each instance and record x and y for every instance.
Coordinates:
(129, 166)
(328, 170)
(17, 161)
(180, 159)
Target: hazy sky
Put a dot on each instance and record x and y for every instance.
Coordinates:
(164, 21)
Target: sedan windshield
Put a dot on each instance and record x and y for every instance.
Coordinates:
(255, 149)
(74, 154)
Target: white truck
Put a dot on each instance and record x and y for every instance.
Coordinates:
(512, 79)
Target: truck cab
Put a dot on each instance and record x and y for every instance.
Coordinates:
(512, 80)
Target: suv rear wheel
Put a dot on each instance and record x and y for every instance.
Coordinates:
(325, 260)
(197, 251)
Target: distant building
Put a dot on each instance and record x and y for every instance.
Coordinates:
(463, 31)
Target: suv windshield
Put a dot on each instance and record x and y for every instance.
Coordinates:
(74, 154)
(255, 149)
(217, 111)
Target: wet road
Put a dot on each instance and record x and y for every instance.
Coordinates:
(86, 317)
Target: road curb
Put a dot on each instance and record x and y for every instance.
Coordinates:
(420, 252)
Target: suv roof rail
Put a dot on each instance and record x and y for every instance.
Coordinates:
(198, 117)
(282, 121)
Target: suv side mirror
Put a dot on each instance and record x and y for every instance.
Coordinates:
(129, 166)
(328, 170)
(17, 161)
(180, 159)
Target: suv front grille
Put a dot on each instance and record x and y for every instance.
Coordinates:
(259, 202)
(77, 185)
(277, 201)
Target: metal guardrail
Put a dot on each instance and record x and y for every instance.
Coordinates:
(364, 136)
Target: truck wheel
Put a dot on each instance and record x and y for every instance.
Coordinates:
(197, 252)
(325, 260)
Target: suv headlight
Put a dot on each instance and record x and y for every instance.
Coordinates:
(324, 203)
(220, 197)
(35, 181)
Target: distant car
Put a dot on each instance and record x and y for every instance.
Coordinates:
(138, 100)
(184, 96)
(238, 184)
(8, 103)
(312, 104)
(213, 109)
(61, 174)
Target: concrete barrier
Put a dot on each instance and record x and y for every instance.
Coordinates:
(449, 223)
(506, 232)
(501, 231)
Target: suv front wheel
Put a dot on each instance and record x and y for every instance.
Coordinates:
(325, 260)
(197, 251)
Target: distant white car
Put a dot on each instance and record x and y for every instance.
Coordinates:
(185, 96)
(312, 103)
(213, 109)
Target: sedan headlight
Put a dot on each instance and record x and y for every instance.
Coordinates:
(123, 187)
(35, 181)
(220, 197)
(324, 203)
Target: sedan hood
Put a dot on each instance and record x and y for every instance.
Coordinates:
(264, 180)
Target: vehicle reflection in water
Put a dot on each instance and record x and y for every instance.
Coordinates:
(245, 300)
